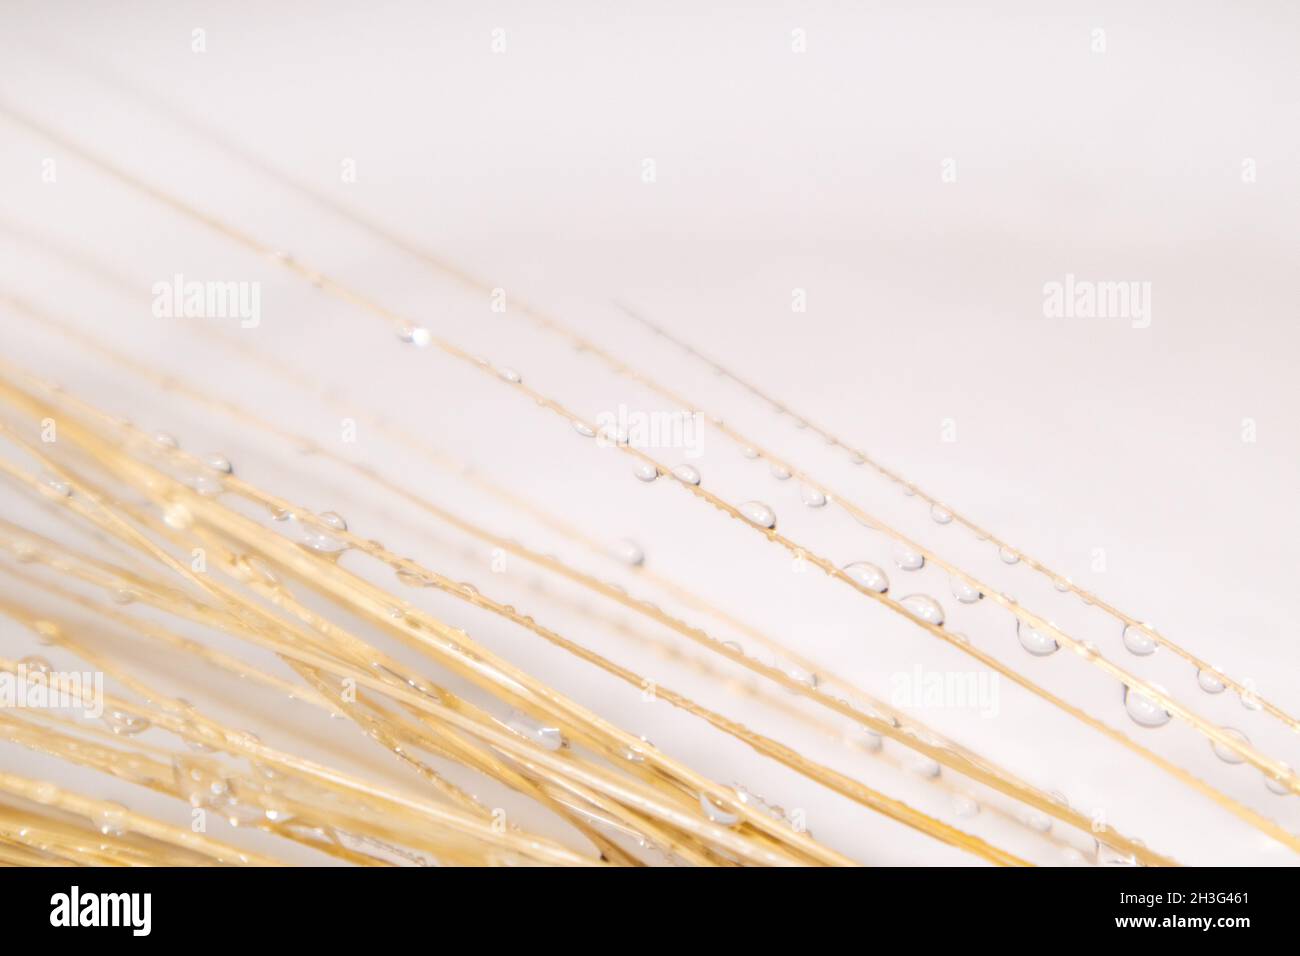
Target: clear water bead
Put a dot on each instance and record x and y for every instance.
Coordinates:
(545, 736)
(965, 592)
(1138, 641)
(924, 766)
(940, 514)
(55, 487)
(797, 673)
(759, 514)
(716, 814)
(583, 429)
(205, 484)
(219, 463)
(645, 471)
(1277, 784)
(687, 474)
(1008, 556)
(924, 607)
(200, 782)
(412, 579)
(415, 335)
(1209, 682)
(1109, 856)
(1036, 819)
(125, 723)
(321, 541)
(510, 375)
(812, 497)
(629, 552)
(110, 819)
(780, 472)
(907, 559)
(1035, 641)
(1225, 753)
(868, 575)
(1144, 711)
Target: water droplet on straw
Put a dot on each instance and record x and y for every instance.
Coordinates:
(1277, 784)
(924, 766)
(716, 814)
(219, 463)
(55, 487)
(548, 737)
(1138, 641)
(868, 575)
(629, 552)
(757, 513)
(924, 607)
(812, 497)
(125, 723)
(110, 819)
(907, 559)
(1035, 641)
(965, 592)
(1209, 682)
(321, 541)
(687, 474)
(415, 335)
(1225, 753)
(1144, 711)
